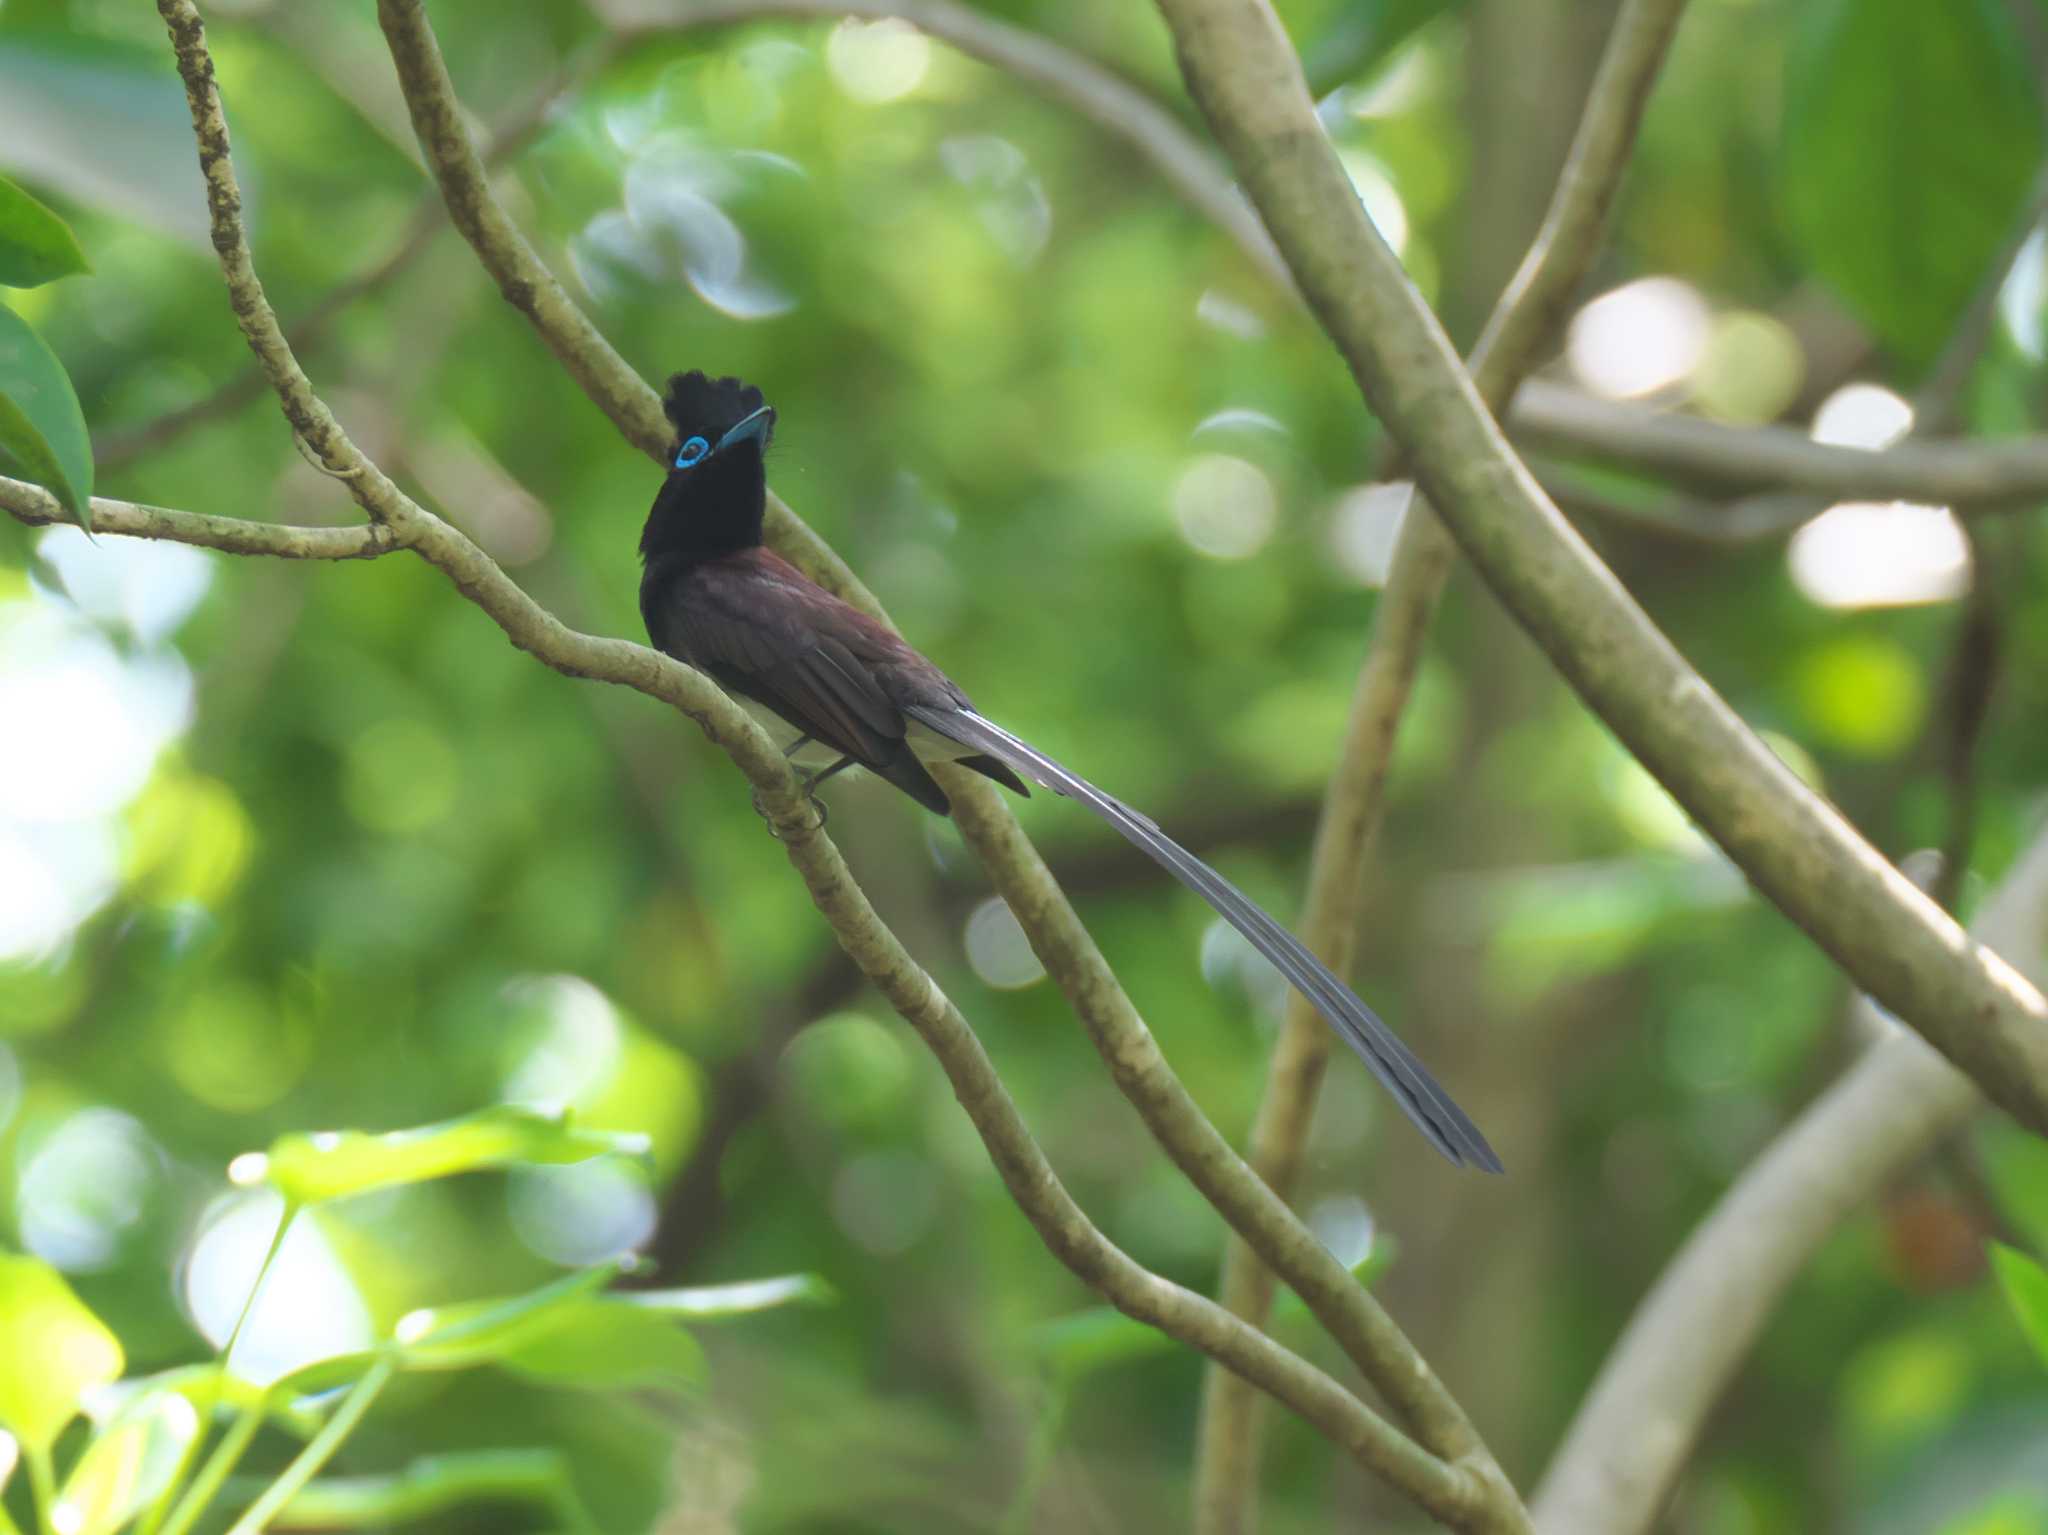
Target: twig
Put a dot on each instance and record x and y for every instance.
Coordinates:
(1447, 1491)
(1353, 1316)
(1183, 161)
(1936, 404)
(118, 448)
(1527, 315)
(1796, 848)
(1637, 1427)
(1971, 476)
(35, 506)
(307, 1463)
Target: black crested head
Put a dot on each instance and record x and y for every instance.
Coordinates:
(701, 406)
(717, 486)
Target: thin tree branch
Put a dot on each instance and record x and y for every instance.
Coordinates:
(528, 286)
(1187, 165)
(33, 505)
(1971, 476)
(122, 446)
(1936, 404)
(1636, 1429)
(1070, 955)
(1445, 1490)
(1797, 849)
(1528, 314)
(1353, 1317)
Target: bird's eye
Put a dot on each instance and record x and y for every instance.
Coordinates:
(691, 451)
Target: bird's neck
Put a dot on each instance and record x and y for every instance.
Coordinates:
(695, 520)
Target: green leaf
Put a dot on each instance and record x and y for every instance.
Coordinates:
(41, 1320)
(1911, 134)
(1361, 36)
(436, 1483)
(2025, 1284)
(608, 1343)
(35, 245)
(709, 1303)
(472, 1333)
(128, 1464)
(1079, 1344)
(210, 1389)
(326, 1374)
(334, 1164)
(42, 430)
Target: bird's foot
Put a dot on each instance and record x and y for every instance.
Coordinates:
(761, 810)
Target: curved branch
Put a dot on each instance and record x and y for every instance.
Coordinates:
(1351, 1313)
(1637, 1427)
(1444, 1490)
(1971, 476)
(33, 505)
(1067, 76)
(118, 448)
(1797, 849)
(1529, 312)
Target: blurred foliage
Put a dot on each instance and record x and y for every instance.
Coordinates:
(289, 847)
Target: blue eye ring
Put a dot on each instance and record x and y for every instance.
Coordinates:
(691, 452)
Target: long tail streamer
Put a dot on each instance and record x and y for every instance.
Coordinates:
(1427, 1104)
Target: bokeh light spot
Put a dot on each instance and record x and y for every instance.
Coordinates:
(1376, 189)
(1639, 338)
(1344, 1224)
(85, 1187)
(849, 1071)
(582, 1213)
(885, 1200)
(308, 1309)
(997, 948)
(1226, 507)
(1862, 694)
(1365, 525)
(1862, 416)
(1751, 369)
(877, 61)
(230, 1049)
(1872, 554)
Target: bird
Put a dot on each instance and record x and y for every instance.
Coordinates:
(836, 689)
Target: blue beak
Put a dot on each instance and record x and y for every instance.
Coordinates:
(754, 429)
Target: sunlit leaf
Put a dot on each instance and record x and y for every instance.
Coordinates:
(127, 1465)
(43, 1321)
(1911, 134)
(2025, 1284)
(35, 245)
(334, 1164)
(608, 1343)
(42, 430)
(472, 1333)
(708, 1303)
(326, 1374)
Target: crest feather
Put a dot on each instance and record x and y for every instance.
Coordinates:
(706, 407)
